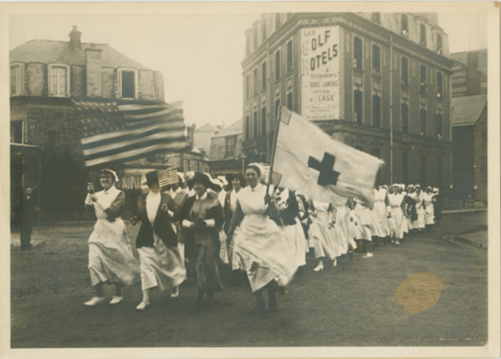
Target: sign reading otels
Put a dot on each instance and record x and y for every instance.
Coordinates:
(320, 73)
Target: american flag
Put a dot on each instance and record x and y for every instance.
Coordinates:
(167, 177)
(113, 132)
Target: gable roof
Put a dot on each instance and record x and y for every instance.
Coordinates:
(60, 52)
(233, 129)
(467, 109)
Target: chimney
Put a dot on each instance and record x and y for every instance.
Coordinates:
(191, 133)
(75, 39)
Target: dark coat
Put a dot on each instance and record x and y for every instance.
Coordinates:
(289, 214)
(214, 212)
(228, 213)
(162, 226)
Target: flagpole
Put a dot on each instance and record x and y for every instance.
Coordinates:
(272, 161)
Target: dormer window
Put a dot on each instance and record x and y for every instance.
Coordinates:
(405, 26)
(127, 83)
(422, 35)
(439, 44)
(59, 80)
(16, 79)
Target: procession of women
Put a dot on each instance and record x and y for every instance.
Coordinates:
(200, 225)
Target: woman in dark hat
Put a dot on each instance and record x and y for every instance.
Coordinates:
(110, 254)
(161, 263)
(202, 219)
(261, 248)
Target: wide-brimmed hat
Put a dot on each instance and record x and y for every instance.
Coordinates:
(201, 178)
(110, 172)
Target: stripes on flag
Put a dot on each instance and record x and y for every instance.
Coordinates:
(121, 132)
(167, 177)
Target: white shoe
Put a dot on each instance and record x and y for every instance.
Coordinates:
(116, 300)
(175, 292)
(142, 305)
(368, 255)
(397, 242)
(334, 263)
(319, 267)
(94, 301)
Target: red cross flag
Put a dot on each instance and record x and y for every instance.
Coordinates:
(308, 161)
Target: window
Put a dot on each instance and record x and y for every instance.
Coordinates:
(277, 107)
(230, 146)
(422, 78)
(16, 79)
(277, 65)
(422, 118)
(247, 89)
(357, 53)
(376, 111)
(289, 57)
(127, 80)
(439, 172)
(59, 81)
(376, 17)
(439, 84)
(377, 153)
(439, 44)
(277, 21)
(255, 123)
(405, 118)
(254, 75)
(263, 120)
(358, 106)
(405, 26)
(423, 170)
(263, 75)
(247, 132)
(264, 30)
(405, 71)
(405, 167)
(376, 59)
(255, 38)
(438, 125)
(16, 132)
(289, 101)
(422, 35)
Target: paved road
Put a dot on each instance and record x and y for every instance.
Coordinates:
(381, 301)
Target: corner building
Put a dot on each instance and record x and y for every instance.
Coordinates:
(379, 82)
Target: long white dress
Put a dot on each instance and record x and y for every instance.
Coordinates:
(380, 222)
(342, 228)
(260, 247)
(430, 208)
(420, 223)
(322, 234)
(397, 220)
(110, 253)
(362, 223)
(160, 266)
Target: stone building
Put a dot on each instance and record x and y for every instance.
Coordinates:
(226, 156)
(469, 128)
(379, 82)
(45, 76)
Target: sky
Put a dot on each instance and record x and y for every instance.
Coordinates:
(199, 55)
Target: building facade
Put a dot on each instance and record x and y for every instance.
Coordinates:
(226, 156)
(45, 76)
(469, 128)
(379, 82)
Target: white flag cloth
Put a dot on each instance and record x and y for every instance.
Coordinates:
(307, 160)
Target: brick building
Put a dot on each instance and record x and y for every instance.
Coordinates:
(379, 82)
(469, 128)
(44, 78)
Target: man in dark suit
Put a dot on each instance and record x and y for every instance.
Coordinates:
(28, 217)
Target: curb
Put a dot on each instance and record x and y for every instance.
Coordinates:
(464, 211)
(463, 240)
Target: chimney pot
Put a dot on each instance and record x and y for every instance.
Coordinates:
(75, 42)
